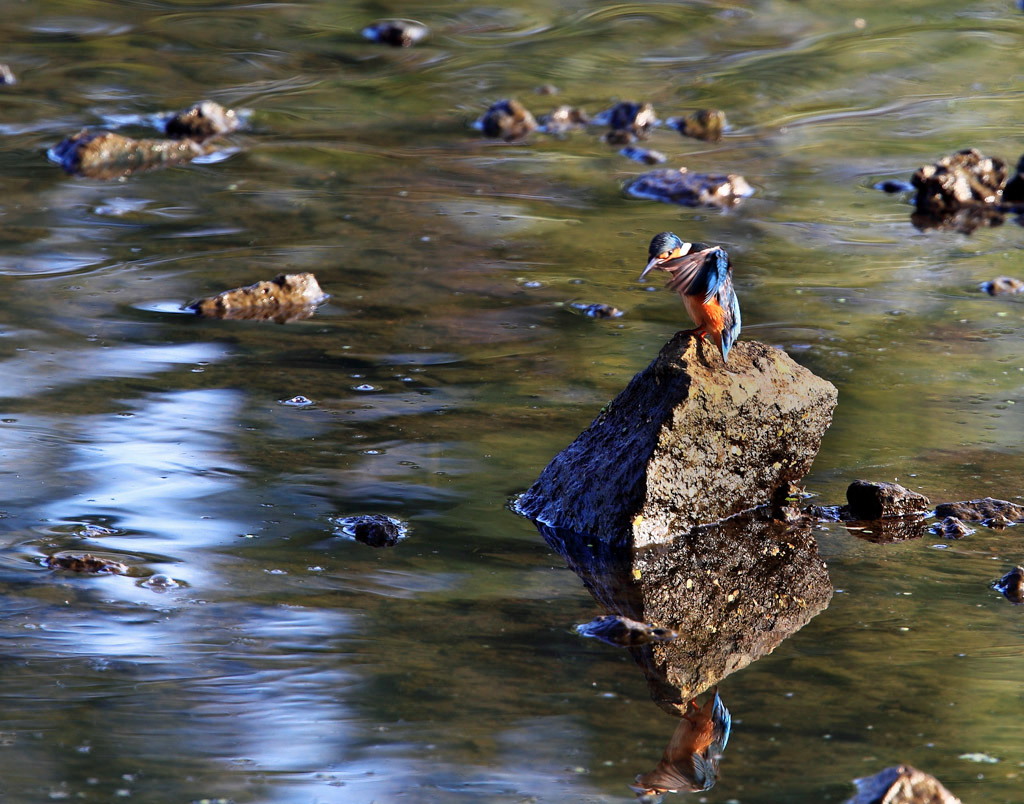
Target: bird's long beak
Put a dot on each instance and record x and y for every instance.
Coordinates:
(653, 263)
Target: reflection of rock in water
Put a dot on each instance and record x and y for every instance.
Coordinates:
(624, 632)
(732, 591)
(690, 762)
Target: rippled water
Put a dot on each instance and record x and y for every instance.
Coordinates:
(284, 662)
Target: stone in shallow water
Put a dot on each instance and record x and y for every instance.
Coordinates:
(78, 562)
(285, 298)
(508, 120)
(105, 155)
(1012, 585)
(636, 119)
(951, 528)
(376, 530)
(563, 119)
(981, 510)
(680, 186)
(1002, 285)
(704, 124)
(397, 33)
(202, 122)
(687, 443)
(868, 500)
(901, 784)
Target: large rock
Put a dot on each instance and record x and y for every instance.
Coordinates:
(688, 442)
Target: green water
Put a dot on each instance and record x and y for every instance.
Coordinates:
(291, 665)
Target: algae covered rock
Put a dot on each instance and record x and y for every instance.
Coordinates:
(105, 155)
(203, 121)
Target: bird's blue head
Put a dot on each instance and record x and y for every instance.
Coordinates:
(663, 243)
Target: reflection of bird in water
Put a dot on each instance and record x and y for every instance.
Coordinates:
(690, 762)
(702, 276)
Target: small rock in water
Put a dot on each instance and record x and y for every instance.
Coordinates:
(508, 120)
(376, 530)
(285, 298)
(951, 528)
(624, 632)
(869, 500)
(397, 33)
(627, 117)
(201, 122)
(1012, 585)
(105, 155)
(596, 310)
(704, 124)
(643, 155)
(85, 563)
(961, 191)
(690, 189)
(546, 89)
(563, 119)
(901, 784)
(997, 522)
(6, 76)
(981, 510)
(1002, 285)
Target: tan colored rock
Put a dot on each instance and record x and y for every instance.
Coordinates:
(901, 784)
(285, 298)
(687, 443)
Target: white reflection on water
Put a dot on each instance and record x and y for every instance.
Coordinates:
(160, 470)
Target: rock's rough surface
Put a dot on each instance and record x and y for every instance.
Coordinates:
(105, 155)
(901, 784)
(285, 298)
(203, 121)
(877, 500)
(1012, 585)
(981, 510)
(687, 442)
(680, 186)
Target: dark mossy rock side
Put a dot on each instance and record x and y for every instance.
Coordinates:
(688, 442)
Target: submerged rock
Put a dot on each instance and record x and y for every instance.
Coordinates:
(397, 33)
(105, 155)
(376, 530)
(6, 76)
(595, 310)
(1012, 585)
(564, 119)
(85, 562)
(624, 632)
(643, 155)
(508, 120)
(951, 528)
(982, 510)
(704, 124)
(892, 186)
(1002, 285)
(690, 189)
(201, 122)
(901, 784)
(285, 298)
(687, 443)
(868, 500)
(961, 191)
(629, 120)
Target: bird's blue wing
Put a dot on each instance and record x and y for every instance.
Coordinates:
(700, 273)
(720, 717)
(730, 332)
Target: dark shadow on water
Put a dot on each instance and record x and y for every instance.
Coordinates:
(731, 591)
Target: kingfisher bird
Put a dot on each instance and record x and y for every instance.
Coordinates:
(702, 276)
